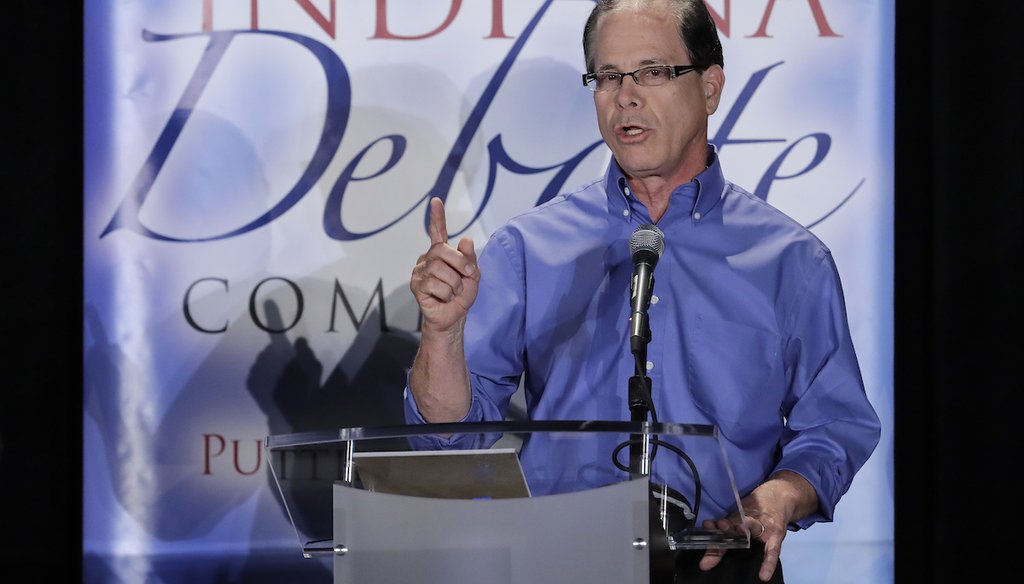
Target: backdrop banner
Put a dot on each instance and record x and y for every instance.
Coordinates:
(256, 184)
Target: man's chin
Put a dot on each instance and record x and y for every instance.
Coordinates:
(636, 167)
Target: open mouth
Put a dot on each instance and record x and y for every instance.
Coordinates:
(628, 131)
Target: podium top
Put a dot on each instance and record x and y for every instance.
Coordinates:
(327, 437)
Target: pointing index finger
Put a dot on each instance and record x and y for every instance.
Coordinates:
(438, 223)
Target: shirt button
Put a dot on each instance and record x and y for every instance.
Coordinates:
(650, 365)
(696, 216)
(654, 299)
(625, 212)
(626, 190)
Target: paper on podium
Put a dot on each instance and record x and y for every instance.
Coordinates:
(444, 474)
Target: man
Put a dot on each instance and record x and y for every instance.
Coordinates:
(748, 323)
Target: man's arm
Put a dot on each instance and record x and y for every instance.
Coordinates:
(831, 427)
(444, 283)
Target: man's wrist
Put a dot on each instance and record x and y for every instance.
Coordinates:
(798, 494)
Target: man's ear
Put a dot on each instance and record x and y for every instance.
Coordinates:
(713, 79)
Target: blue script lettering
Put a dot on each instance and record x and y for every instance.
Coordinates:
(334, 226)
(338, 107)
(822, 140)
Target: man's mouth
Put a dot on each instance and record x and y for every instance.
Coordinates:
(630, 131)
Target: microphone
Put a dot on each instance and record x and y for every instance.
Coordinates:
(646, 246)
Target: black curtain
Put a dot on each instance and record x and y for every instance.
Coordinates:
(958, 223)
(41, 285)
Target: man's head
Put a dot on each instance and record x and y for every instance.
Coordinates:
(658, 129)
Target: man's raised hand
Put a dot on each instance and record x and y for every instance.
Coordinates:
(445, 279)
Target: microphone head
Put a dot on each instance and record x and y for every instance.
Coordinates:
(647, 238)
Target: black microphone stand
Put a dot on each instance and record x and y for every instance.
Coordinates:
(662, 560)
(641, 446)
(640, 403)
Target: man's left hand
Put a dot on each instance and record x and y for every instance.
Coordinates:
(767, 511)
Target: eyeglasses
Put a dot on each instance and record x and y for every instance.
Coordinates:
(646, 76)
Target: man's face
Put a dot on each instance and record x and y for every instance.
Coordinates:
(656, 131)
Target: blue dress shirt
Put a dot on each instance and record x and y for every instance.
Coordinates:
(748, 333)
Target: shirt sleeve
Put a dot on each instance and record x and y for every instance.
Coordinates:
(494, 333)
(831, 427)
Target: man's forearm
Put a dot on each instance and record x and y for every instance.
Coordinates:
(439, 379)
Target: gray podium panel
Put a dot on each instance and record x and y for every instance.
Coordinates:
(593, 536)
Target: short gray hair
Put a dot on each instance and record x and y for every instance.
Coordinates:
(697, 29)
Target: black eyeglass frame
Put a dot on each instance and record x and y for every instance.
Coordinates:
(674, 71)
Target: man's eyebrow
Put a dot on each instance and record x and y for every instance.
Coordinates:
(643, 63)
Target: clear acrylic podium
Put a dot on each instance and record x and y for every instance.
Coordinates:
(450, 503)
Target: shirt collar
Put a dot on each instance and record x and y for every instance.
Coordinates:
(710, 184)
(615, 186)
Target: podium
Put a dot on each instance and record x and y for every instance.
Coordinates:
(515, 502)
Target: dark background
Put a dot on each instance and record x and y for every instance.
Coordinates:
(959, 185)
